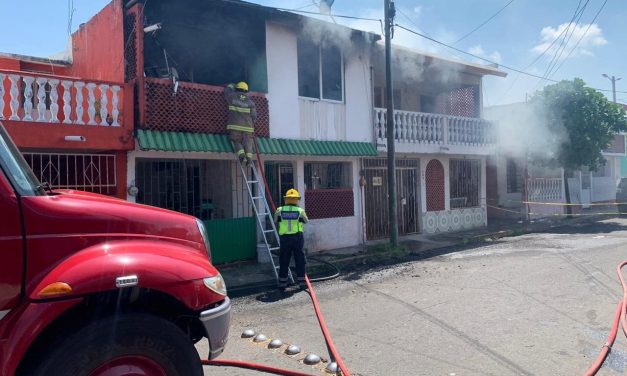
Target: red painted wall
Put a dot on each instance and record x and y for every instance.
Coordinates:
(98, 46)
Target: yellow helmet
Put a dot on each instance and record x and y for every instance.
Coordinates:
(292, 193)
(243, 86)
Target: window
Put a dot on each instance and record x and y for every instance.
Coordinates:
(327, 175)
(328, 191)
(464, 182)
(320, 71)
(514, 177)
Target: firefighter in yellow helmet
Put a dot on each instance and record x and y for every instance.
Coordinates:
(290, 221)
(241, 121)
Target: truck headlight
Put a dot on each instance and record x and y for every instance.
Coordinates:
(205, 236)
(216, 284)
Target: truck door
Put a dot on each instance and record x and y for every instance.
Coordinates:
(11, 251)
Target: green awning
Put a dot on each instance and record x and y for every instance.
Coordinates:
(219, 143)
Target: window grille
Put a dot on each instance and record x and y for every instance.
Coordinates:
(327, 175)
(203, 188)
(85, 172)
(465, 180)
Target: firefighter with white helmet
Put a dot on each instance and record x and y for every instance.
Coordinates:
(241, 121)
(290, 220)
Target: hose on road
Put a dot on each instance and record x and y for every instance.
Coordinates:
(619, 317)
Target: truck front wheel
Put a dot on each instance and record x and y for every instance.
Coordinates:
(122, 345)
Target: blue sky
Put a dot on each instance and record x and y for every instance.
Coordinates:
(516, 37)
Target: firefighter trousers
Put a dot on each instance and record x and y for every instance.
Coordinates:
(292, 245)
(242, 143)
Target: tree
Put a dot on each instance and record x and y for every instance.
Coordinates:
(583, 123)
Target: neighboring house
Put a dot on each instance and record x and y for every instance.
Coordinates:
(442, 144)
(72, 119)
(506, 172)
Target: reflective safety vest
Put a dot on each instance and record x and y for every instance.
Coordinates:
(291, 219)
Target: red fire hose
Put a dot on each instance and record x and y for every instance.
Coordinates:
(327, 337)
(620, 316)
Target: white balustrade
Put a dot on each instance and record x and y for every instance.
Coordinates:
(91, 103)
(36, 98)
(436, 129)
(544, 189)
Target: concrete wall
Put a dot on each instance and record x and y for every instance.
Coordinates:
(451, 219)
(98, 46)
(303, 118)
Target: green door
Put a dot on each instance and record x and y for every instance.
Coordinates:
(232, 239)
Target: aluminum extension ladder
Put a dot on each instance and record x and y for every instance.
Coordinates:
(264, 215)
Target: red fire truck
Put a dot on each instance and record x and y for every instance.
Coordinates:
(92, 285)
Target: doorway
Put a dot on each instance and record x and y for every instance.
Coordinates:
(376, 197)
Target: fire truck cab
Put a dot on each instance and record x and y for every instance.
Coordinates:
(92, 285)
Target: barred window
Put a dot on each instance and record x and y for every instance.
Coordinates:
(325, 175)
(465, 181)
(514, 177)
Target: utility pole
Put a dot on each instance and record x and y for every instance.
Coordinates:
(390, 12)
(613, 79)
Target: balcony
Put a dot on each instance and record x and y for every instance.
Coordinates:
(191, 107)
(419, 132)
(58, 112)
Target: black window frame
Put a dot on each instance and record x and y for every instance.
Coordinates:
(310, 65)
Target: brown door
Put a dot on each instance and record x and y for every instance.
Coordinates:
(376, 197)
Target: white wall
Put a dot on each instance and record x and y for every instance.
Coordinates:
(282, 82)
(300, 118)
(358, 91)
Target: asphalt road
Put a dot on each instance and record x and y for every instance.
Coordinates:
(538, 304)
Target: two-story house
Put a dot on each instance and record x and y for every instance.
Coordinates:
(310, 81)
(441, 144)
(73, 118)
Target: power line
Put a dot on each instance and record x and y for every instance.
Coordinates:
(488, 60)
(484, 22)
(581, 38)
(564, 43)
(299, 10)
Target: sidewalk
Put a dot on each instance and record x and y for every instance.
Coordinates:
(249, 276)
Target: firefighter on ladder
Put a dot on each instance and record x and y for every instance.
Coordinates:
(290, 220)
(241, 121)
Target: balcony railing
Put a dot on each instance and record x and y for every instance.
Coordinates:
(41, 98)
(191, 107)
(434, 129)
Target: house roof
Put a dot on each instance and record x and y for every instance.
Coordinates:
(467, 66)
(218, 143)
(35, 59)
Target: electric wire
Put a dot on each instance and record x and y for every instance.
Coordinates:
(488, 60)
(564, 42)
(581, 38)
(483, 23)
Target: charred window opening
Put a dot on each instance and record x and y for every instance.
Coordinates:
(465, 180)
(514, 177)
(209, 43)
(320, 71)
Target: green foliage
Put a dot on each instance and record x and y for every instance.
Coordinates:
(582, 120)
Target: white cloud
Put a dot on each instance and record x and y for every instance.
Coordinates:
(589, 40)
(479, 51)
(417, 10)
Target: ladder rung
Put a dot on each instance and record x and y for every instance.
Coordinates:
(257, 197)
(252, 181)
(266, 231)
(274, 248)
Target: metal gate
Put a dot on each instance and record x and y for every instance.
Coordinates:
(376, 197)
